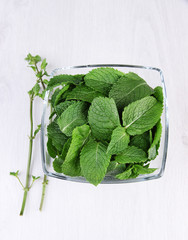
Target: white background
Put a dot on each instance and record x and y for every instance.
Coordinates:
(72, 32)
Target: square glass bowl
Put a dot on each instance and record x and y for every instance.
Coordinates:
(154, 77)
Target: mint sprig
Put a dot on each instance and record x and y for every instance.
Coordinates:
(39, 89)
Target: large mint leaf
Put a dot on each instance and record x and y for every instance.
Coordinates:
(94, 161)
(61, 107)
(103, 118)
(119, 141)
(102, 79)
(129, 88)
(64, 78)
(141, 115)
(141, 141)
(83, 93)
(153, 150)
(158, 94)
(131, 155)
(75, 115)
(71, 165)
(57, 137)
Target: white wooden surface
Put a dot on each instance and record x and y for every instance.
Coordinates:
(70, 32)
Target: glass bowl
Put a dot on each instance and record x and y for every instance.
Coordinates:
(154, 77)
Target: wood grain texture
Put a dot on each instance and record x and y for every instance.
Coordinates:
(70, 32)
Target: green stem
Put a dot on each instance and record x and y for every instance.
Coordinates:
(45, 182)
(20, 182)
(26, 188)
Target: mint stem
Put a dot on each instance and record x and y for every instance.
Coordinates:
(45, 182)
(26, 188)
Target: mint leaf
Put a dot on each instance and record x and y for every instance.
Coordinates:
(60, 93)
(141, 115)
(141, 141)
(51, 149)
(131, 155)
(124, 175)
(103, 118)
(64, 78)
(94, 161)
(53, 97)
(102, 79)
(61, 107)
(158, 94)
(153, 150)
(83, 93)
(75, 115)
(119, 141)
(143, 169)
(115, 168)
(129, 88)
(37, 130)
(58, 138)
(15, 173)
(44, 64)
(57, 164)
(71, 165)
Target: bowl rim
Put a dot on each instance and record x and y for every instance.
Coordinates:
(107, 179)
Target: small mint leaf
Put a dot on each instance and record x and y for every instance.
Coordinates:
(44, 64)
(14, 173)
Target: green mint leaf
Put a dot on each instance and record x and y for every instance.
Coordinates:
(141, 141)
(141, 115)
(102, 79)
(94, 161)
(51, 149)
(35, 178)
(44, 64)
(158, 94)
(61, 107)
(57, 164)
(83, 93)
(58, 138)
(54, 95)
(45, 81)
(37, 58)
(125, 175)
(115, 168)
(71, 165)
(36, 89)
(64, 78)
(37, 130)
(59, 95)
(42, 95)
(66, 148)
(34, 68)
(131, 155)
(143, 169)
(39, 74)
(153, 150)
(103, 118)
(14, 173)
(129, 88)
(119, 141)
(75, 115)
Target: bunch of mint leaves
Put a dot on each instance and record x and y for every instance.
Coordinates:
(104, 123)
